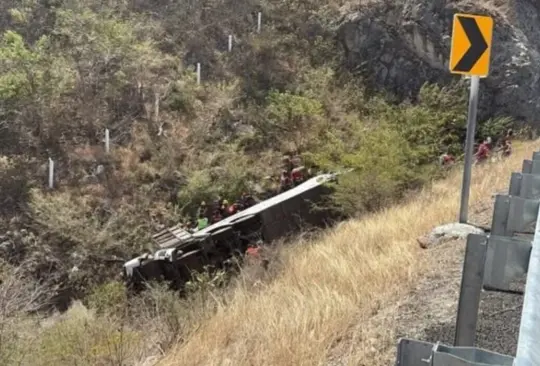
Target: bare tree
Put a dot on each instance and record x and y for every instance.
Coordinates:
(18, 297)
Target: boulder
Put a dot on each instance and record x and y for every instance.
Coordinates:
(447, 232)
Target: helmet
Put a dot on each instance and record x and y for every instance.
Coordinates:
(203, 203)
(225, 202)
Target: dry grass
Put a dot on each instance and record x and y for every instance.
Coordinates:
(332, 284)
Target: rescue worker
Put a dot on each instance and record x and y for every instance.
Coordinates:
(202, 222)
(217, 203)
(288, 165)
(232, 209)
(285, 182)
(296, 160)
(253, 254)
(297, 176)
(224, 208)
(446, 159)
(507, 143)
(203, 209)
(246, 200)
(483, 152)
(216, 216)
(253, 251)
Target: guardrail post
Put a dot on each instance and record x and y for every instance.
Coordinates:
(471, 289)
(528, 348)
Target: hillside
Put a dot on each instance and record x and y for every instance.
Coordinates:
(70, 69)
(342, 298)
(337, 301)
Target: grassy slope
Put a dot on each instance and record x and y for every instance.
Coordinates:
(335, 283)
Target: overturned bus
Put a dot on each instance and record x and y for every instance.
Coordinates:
(181, 252)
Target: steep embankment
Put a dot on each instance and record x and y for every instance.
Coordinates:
(399, 45)
(324, 304)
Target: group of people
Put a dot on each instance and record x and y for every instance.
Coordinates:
(220, 209)
(484, 150)
(291, 175)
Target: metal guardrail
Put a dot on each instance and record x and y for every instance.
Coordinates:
(493, 262)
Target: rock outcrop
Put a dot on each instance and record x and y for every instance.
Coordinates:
(401, 44)
(447, 232)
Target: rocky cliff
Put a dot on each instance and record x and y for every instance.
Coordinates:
(398, 45)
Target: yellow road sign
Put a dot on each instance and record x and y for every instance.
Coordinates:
(471, 45)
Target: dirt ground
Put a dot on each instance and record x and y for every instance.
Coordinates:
(429, 311)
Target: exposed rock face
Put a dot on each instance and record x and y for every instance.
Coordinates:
(401, 44)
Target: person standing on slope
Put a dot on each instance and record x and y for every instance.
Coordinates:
(285, 181)
(507, 143)
(483, 152)
(202, 222)
(446, 159)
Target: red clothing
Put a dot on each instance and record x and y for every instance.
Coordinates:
(297, 176)
(483, 151)
(232, 209)
(253, 252)
(285, 180)
(448, 159)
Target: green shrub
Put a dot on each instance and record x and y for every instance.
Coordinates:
(80, 338)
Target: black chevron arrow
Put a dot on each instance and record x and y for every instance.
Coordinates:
(477, 48)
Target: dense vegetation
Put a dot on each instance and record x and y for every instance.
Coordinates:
(71, 68)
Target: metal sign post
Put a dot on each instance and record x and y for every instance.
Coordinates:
(469, 55)
(469, 147)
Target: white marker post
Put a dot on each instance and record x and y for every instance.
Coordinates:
(259, 20)
(470, 56)
(51, 173)
(107, 141)
(230, 43)
(198, 73)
